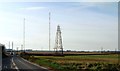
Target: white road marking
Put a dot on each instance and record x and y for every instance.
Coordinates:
(15, 65)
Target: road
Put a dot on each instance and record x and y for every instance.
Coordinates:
(17, 63)
(6, 63)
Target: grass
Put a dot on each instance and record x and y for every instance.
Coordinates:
(74, 63)
(83, 58)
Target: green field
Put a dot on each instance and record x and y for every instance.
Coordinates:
(76, 63)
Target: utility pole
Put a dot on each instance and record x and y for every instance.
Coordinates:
(49, 30)
(115, 50)
(12, 47)
(9, 48)
(101, 49)
(17, 50)
(21, 48)
(9, 45)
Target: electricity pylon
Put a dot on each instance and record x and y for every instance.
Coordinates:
(58, 40)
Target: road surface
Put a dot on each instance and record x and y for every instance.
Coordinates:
(17, 63)
(6, 63)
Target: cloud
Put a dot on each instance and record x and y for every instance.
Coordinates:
(34, 8)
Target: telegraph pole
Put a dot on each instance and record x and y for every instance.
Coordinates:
(9, 48)
(49, 30)
(9, 45)
(21, 48)
(12, 47)
(17, 50)
(101, 49)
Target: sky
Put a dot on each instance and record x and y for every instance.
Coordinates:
(59, 0)
(85, 26)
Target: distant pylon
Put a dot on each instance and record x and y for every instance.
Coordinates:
(58, 40)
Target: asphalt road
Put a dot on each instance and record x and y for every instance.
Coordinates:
(17, 63)
(6, 63)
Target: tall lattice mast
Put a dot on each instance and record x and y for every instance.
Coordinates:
(58, 40)
(24, 34)
(49, 31)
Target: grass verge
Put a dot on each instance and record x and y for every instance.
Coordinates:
(77, 63)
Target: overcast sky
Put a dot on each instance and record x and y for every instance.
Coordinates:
(84, 25)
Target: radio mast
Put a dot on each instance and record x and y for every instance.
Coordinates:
(49, 30)
(24, 34)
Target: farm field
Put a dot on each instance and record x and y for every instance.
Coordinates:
(76, 63)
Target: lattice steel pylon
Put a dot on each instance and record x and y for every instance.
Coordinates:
(58, 40)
